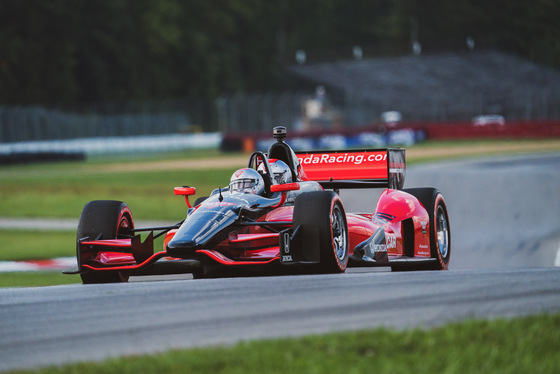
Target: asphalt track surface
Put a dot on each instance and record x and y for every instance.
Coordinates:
(505, 221)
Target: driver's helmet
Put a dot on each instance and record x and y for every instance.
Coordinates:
(281, 173)
(247, 181)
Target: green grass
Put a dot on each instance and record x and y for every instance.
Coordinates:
(522, 345)
(37, 279)
(149, 194)
(60, 190)
(22, 245)
(17, 245)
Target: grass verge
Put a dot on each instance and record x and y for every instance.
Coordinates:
(61, 190)
(37, 279)
(20, 245)
(521, 345)
(149, 194)
(23, 245)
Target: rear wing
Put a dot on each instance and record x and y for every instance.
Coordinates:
(355, 169)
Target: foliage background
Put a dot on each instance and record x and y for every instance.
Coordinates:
(71, 52)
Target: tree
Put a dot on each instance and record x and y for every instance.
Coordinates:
(69, 52)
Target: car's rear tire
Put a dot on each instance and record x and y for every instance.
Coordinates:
(324, 210)
(112, 220)
(440, 233)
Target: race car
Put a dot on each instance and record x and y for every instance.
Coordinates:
(281, 214)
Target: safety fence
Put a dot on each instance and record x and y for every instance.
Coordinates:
(249, 113)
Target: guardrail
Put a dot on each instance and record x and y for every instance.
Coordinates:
(402, 133)
(468, 130)
(75, 149)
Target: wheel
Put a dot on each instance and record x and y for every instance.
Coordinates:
(111, 219)
(324, 210)
(440, 233)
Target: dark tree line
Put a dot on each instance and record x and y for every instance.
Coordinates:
(68, 52)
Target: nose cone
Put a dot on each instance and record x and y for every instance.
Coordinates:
(183, 243)
(200, 231)
(182, 247)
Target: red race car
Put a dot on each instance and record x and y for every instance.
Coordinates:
(281, 214)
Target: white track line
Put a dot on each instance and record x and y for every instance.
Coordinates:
(557, 259)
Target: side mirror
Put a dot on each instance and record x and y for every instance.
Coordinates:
(185, 191)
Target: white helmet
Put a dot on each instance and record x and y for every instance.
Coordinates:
(281, 173)
(247, 181)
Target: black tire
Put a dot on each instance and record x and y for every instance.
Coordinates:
(112, 220)
(440, 233)
(324, 210)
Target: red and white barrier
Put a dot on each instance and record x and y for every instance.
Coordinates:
(62, 263)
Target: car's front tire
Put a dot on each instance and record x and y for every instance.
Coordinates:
(324, 210)
(106, 219)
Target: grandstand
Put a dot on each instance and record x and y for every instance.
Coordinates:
(447, 86)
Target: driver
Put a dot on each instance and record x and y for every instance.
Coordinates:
(247, 180)
(281, 173)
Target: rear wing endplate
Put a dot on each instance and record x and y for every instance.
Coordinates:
(367, 168)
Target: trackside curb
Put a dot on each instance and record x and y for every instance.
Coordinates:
(62, 263)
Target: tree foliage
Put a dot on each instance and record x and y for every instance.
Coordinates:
(60, 52)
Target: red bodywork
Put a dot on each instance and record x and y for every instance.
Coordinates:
(256, 245)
